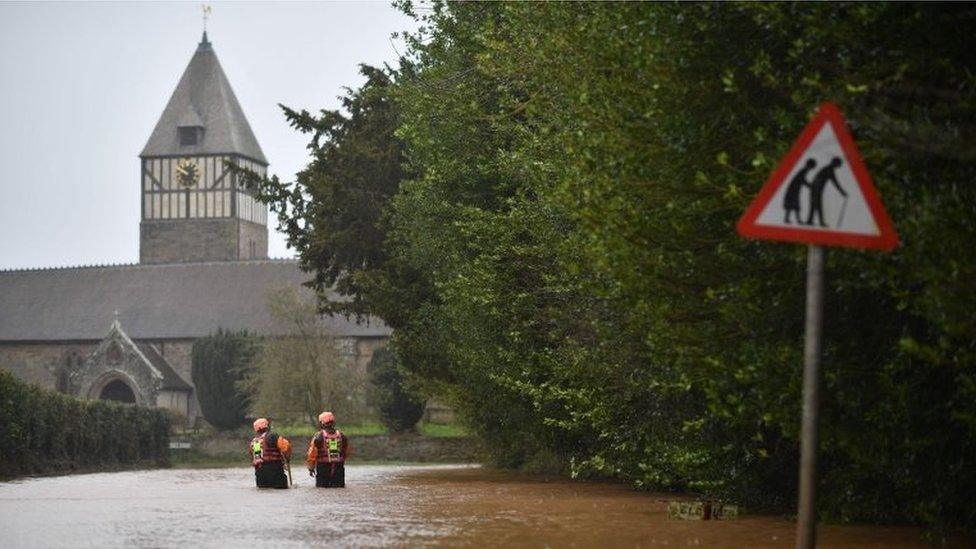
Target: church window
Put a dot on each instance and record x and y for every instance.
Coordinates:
(190, 135)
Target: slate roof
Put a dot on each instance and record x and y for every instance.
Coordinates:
(171, 380)
(162, 301)
(204, 96)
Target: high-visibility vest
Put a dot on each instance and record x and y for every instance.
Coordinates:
(262, 451)
(331, 449)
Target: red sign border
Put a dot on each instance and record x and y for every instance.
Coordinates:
(887, 240)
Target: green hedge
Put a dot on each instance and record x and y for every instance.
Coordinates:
(50, 432)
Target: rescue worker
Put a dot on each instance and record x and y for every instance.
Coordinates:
(327, 453)
(269, 453)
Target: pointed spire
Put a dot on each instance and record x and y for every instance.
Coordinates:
(204, 98)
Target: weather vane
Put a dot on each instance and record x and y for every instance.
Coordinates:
(206, 13)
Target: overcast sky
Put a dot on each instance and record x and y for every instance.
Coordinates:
(83, 84)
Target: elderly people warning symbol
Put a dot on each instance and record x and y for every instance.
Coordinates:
(821, 193)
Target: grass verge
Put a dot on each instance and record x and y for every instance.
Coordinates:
(443, 431)
(365, 429)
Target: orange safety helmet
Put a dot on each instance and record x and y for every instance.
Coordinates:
(260, 423)
(326, 417)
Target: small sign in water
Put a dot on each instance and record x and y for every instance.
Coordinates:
(178, 445)
(702, 510)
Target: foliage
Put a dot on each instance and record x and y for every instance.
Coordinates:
(218, 362)
(437, 430)
(51, 432)
(300, 374)
(560, 259)
(352, 429)
(333, 213)
(581, 168)
(399, 408)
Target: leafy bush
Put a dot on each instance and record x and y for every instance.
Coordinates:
(218, 364)
(53, 432)
(399, 409)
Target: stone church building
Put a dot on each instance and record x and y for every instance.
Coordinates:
(125, 332)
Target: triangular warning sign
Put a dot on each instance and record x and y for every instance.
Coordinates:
(821, 193)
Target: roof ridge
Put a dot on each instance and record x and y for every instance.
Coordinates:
(146, 265)
(66, 267)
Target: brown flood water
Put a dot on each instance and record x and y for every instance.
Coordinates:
(401, 506)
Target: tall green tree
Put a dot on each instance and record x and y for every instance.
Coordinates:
(559, 254)
(218, 362)
(333, 212)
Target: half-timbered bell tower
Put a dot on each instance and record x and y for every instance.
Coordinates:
(193, 208)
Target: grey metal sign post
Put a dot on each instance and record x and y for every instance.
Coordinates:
(806, 537)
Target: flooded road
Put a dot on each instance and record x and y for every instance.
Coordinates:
(401, 506)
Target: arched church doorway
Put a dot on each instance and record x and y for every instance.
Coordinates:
(118, 391)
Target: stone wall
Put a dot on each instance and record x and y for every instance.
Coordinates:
(178, 353)
(252, 232)
(43, 364)
(187, 240)
(49, 365)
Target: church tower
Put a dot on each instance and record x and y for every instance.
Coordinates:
(193, 208)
